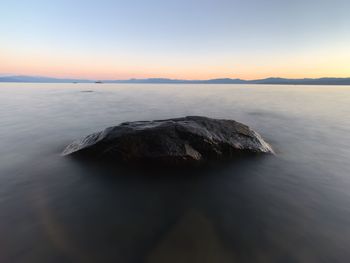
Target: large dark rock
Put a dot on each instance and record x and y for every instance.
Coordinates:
(180, 141)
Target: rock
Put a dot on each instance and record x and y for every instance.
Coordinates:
(179, 141)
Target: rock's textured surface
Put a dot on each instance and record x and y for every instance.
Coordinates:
(179, 141)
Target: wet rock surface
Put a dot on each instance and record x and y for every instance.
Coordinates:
(180, 141)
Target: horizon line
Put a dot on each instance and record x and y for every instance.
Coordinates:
(4, 75)
(218, 81)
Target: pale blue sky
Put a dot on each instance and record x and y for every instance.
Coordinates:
(184, 39)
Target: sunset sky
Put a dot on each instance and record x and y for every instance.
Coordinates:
(185, 39)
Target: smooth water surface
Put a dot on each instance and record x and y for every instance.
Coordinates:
(292, 207)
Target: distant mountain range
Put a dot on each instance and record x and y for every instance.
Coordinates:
(306, 81)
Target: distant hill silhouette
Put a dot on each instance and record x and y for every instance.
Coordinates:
(281, 81)
(33, 79)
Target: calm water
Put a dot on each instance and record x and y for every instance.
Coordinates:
(293, 207)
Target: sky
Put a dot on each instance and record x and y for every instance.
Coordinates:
(182, 39)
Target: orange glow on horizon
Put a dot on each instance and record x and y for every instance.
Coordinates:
(124, 67)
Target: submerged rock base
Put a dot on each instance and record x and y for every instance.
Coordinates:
(176, 142)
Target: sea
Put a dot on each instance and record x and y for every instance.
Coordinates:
(293, 206)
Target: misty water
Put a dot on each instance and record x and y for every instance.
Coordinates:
(292, 207)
